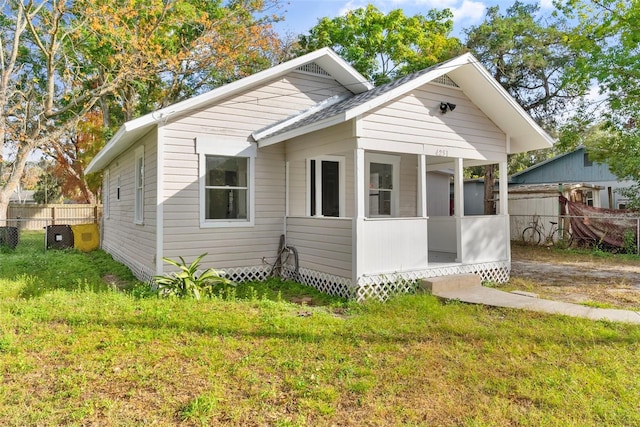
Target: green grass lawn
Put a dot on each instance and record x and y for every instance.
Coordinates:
(75, 350)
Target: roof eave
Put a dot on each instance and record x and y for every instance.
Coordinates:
(325, 57)
(323, 124)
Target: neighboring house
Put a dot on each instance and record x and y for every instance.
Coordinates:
(540, 202)
(351, 175)
(22, 196)
(576, 167)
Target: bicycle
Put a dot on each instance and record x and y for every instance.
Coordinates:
(557, 236)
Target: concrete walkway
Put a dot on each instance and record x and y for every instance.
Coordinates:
(468, 288)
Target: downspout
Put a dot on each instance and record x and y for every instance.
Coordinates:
(160, 198)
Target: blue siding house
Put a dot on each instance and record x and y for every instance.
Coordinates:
(575, 167)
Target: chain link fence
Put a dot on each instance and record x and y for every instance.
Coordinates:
(607, 232)
(53, 222)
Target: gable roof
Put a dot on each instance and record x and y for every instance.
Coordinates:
(132, 130)
(545, 162)
(474, 80)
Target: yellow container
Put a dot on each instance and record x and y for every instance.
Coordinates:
(86, 237)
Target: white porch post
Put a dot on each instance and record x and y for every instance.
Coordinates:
(458, 204)
(359, 216)
(504, 204)
(422, 185)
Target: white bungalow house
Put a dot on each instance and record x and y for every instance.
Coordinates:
(350, 174)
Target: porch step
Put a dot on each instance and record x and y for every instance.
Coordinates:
(435, 285)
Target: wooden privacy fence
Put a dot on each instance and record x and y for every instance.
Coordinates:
(36, 217)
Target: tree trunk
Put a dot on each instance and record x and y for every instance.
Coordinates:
(489, 185)
(12, 183)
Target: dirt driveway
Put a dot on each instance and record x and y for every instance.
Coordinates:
(579, 278)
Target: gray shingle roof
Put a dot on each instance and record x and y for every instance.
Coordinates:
(345, 105)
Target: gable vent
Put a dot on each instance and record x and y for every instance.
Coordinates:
(445, 81)
(313, 68)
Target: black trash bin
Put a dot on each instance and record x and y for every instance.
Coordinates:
(9, 236)
(59, 237)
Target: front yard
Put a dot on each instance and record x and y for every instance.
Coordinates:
(75, 350)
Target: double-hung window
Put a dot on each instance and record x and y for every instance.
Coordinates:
(226, 188)
(383, 172)
(226, 183)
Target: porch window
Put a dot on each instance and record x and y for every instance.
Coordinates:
(226, 188)
(326, 186)
(383, 186)
(227, 182)
(139, 186)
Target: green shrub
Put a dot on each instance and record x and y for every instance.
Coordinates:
(187, 282)
(630, 246)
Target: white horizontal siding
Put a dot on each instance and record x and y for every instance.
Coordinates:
(134, 244)
(415, 120)
(230, 120)
(334, 141)
(323, 244)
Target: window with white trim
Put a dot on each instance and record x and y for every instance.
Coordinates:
(383, 172)
(326, 185)
(226, 188)
(226, 182)
(139, 186)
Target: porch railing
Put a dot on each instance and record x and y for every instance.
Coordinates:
(393, 244)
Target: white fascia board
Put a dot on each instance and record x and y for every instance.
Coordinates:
(322, 124)
(333, 63)
(501, 95)
(327, 58)
(344, 73)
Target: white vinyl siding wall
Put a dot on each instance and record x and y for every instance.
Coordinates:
(323, 244)
(233, 120)
(130, 243)
(334, 141)
(414, 124)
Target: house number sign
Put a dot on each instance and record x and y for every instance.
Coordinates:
(442, 152)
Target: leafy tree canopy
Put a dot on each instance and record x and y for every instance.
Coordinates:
(62, 60)
(382, 46)
(606, 43)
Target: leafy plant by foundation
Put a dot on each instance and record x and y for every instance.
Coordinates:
(190, 281)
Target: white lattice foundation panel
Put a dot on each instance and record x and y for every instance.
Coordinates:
(327, 283)
(247, 274)
(384, 286)
(380, 287)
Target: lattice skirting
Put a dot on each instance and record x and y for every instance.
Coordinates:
(324, 282)
(384, 286)
(379, 287)
(247, 274)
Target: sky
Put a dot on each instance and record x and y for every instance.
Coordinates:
(301, 15)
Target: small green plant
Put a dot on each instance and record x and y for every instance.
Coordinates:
(189, 281)
(630, 246)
